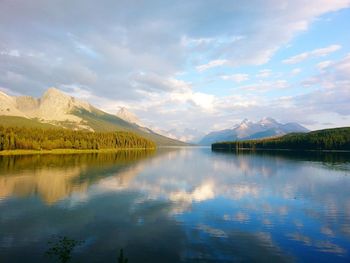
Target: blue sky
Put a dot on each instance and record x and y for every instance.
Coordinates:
(185, 67)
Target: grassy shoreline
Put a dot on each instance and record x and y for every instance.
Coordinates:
(67, 151)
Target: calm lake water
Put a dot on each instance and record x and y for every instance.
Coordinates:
(178, 205)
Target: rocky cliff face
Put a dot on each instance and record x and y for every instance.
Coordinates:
(8, 106)
(128, 116)
(54, 105)
(28, 105)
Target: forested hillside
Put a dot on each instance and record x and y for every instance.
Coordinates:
(100, 121)
(14, 138)
(329, 139)
(58, 109)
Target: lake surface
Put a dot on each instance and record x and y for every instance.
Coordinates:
(178, 205)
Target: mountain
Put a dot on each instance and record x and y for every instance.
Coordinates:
(128, 116)
(57, 109)
(53, 107)
(248, 130)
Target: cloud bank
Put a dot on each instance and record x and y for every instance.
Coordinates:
(137, 54)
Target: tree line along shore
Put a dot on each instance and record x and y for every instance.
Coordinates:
(337, 139)
(37, 139)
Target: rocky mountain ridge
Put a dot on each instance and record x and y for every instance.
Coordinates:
(248, 130)
(54, 105)
(58, 108)
(128, 116)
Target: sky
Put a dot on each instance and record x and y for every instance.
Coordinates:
(185, 68)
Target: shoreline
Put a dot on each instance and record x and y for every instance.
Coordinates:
(68, 151)
(281, 150)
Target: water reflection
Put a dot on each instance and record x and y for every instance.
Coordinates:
(179, 205)
(54, 177)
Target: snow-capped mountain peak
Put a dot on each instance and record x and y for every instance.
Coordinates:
(267, 120)
(247, 130)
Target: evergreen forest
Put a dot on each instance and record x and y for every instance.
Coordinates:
(15, 138)
(328, 139)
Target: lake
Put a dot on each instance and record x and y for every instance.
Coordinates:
(177, 205)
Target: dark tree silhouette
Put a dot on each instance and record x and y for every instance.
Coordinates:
(62, 248)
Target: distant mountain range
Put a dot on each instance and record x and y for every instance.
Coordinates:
(57, 109)
(248, 130)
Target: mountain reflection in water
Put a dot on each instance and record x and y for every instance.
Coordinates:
(178, 205)
(54, 177)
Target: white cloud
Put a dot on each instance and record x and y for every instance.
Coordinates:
(12, 53)
(236, 77)
(297, 58)
(323, 64)
(202, 100)
(212, 64)
(101, 50)
(335, 77)
(264, 86)
(295, 71)
(152, 82)
(117, 63)
(194, 42)
(264, 73)
(321, 52)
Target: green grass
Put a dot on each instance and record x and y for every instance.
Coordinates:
(66, 151)
(12, 121)
(103, 122)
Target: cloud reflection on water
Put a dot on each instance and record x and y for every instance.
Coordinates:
(267, 198)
